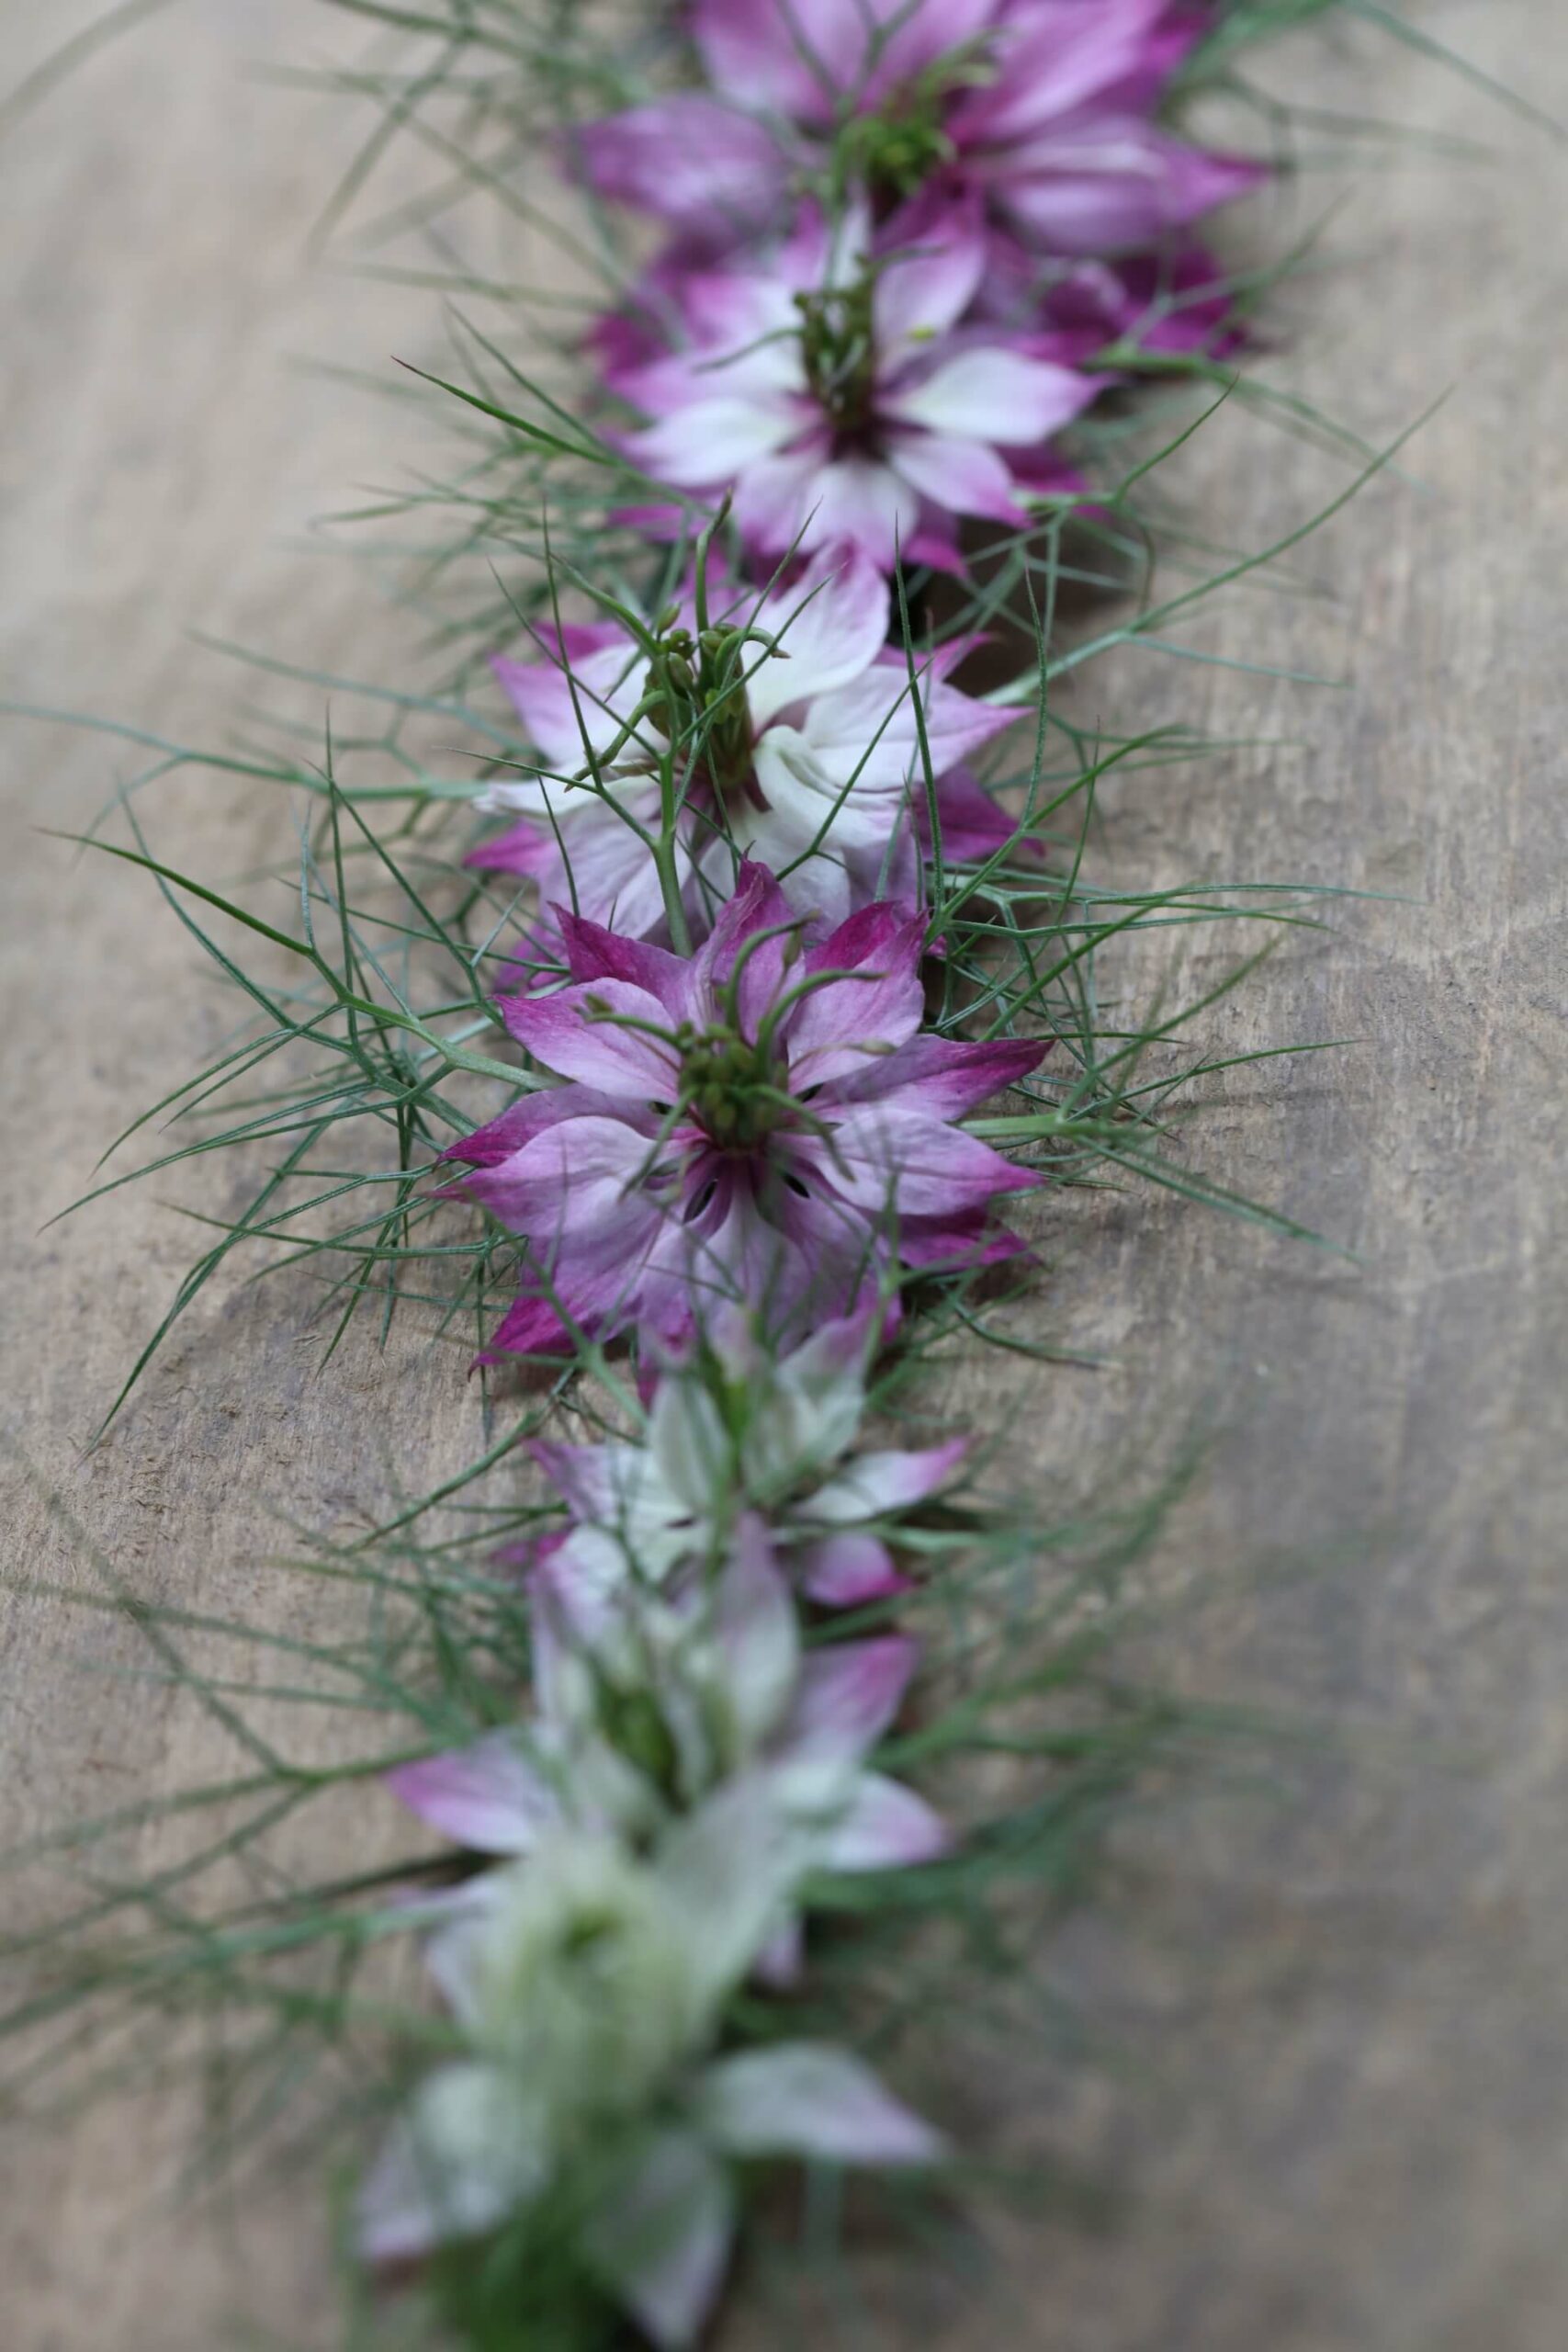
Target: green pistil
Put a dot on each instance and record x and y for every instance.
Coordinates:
(733, 1090)
(895, 152)
(839, 347)
(704, 692)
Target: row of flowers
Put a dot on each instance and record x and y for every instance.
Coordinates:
(910, 242)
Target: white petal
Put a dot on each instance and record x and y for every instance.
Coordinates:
(659, 2239)
(469, 2153)
(808, 2099)
(995, 395)
(711, 440)
(830, 625)
(758, 1633)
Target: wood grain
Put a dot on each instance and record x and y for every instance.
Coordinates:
(1346, 2121)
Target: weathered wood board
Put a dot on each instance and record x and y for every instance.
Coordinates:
(1346, 2120)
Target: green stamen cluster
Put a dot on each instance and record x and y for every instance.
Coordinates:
(839, 351)
(735, 1090)
(700, 698)
(893, 153)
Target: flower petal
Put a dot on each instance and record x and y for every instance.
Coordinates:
(808, 2099)
(574, 701)
(758, 1634)
(488, 1796)
(598, 1034)
(849, 1025)
(924, 289)
(469, 2152)
(886, 1827)
(993, 394)
(1058, 55)
(850, 1693)
(830, 625)
(870, 1484)
(717, 174)
(846, 1570)
(1113, 185)
(581, 1173)
(890, 1157)
(945, 1077)
(706, 443)
(860, 502)
(967, 477)
(660, 2237)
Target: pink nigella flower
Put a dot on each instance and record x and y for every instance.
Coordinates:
(738, 1425)
(587, 1983)
(756, 1123)
(702, 1679)
(827, 386)
(1042, 109)
(804, 754)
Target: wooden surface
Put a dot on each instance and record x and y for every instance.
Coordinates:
(1345, 2118)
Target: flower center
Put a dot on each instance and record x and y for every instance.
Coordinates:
(893, 152)
(737, 1093)
(839, 348)
(703, 678)
(896, 152)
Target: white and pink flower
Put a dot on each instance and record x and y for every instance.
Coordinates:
(761, 1123)
(736, 1426)
(804, 755)
(1043, 110)
(650, 1693)
(827, 386)
(589, 1988)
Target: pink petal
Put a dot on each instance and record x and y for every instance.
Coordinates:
(574, 701)
(776, 56)
(850, 1694)
(524, 849)
(922, 292)
(595, 952)
(863, 503)
(846, 1025)
(588, 1478)
(1118, 184)
(1060, 54)
(758, 1632)
(973, 825)
(889, 1158)
(887, 1827)
(491, 1146)
(598, 1033)
(773, 497)
(967, 477)
(578, 1174)
(756, 911)
(954, 1244)
(866, 730)
(846, 1570)
(943, 1077)
(712, 171)
(488, 1797)
(707, 444)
